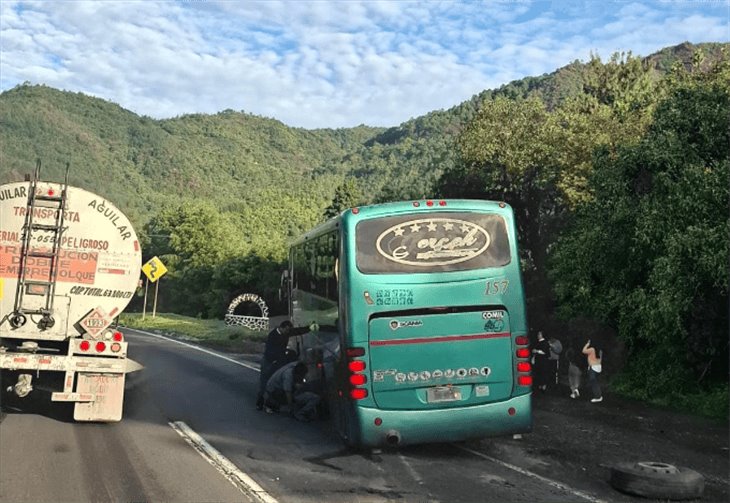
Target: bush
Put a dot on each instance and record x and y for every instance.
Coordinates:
(712, 401)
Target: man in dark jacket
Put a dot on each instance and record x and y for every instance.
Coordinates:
(541, 362)
(275, 354)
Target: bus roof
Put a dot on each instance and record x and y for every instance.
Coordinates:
(394, 208)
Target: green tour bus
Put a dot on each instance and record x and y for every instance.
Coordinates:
(422, 329)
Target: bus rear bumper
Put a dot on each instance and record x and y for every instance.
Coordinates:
(403, 427)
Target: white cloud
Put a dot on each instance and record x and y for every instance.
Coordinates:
(321, 63)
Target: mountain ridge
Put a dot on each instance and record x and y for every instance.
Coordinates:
(236, 158)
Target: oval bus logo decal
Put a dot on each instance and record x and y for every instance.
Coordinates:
(433, 241)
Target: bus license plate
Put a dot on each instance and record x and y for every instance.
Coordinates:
(443, 394)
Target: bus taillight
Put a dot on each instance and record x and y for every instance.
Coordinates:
(356, 366)
(358, 393)
(354, 352)
(357, 378)
(523, 367)
(523, 353)
(524, 380)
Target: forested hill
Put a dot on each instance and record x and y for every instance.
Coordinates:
(237, 160)
(140, 163)
(618, 173)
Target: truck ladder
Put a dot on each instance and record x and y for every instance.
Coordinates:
(46, 285)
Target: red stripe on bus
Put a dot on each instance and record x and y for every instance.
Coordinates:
(448, 338)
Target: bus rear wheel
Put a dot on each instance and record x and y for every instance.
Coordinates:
(657, 480)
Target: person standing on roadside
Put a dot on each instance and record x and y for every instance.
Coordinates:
(556, 347)
(540, 359)
(275, 355)
(575, 362)
(594, 355)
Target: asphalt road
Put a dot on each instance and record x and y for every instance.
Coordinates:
(185, 396)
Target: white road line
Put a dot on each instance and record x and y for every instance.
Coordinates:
(412, 471)
(243, 482)
(553, 483)
(192, 346)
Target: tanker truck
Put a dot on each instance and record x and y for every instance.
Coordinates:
(69, 264)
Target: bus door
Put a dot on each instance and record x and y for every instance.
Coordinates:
(444, 360)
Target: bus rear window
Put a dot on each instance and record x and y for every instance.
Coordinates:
(432, 242)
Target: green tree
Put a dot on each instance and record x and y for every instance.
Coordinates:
(347, 195)
(507, 155)
(193, 239)
(539, 160)
(250, 273)
(625, 83)
(649, 253)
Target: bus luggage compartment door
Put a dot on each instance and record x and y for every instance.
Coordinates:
(445, 360)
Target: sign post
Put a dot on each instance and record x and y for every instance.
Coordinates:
(154, 304)
(154, 269)
(144, 306)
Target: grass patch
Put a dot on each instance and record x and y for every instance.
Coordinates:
(213, 333)
(712, 403)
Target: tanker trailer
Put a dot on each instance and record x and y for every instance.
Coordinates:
(69, 264)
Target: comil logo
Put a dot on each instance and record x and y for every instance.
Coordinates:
(433, 241)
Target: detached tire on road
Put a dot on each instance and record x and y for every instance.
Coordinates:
(657, 480)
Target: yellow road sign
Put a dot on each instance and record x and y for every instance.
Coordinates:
(154, 269)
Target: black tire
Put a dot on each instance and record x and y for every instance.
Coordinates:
(657, 480)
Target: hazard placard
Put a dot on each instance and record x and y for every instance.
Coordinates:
(96, 321)
(154, 269)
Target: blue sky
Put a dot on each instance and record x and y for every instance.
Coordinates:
(325, 63)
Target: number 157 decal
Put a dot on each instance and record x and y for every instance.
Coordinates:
(496, 287)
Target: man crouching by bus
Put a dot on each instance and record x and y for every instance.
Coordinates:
(275, 354)
(284, 388)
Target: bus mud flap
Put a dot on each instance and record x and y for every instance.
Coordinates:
(109, 393)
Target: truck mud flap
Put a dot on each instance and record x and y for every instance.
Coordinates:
(108, 391)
